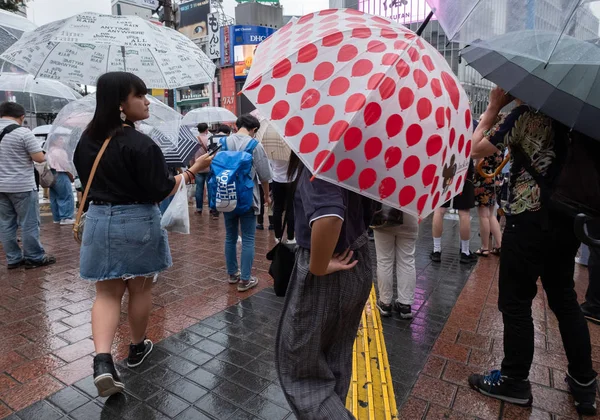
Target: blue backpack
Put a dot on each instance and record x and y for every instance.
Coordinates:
(231, 186)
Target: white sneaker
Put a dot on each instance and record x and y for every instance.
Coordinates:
(291, 241)
(67, 222)
(56, 222)
(244, 286)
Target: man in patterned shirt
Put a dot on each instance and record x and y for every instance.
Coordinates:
(538, 242)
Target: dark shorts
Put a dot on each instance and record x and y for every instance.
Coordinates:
(465, 200)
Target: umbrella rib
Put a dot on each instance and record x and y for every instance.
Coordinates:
(563, 31)
(45, 59)
(466, 17)
(160, 69)
(108, 58)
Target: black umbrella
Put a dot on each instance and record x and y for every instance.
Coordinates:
(180, 154)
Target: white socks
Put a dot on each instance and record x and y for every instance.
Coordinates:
(464, 247)
(437, 244)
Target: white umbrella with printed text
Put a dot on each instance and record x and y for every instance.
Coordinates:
(81, 48)
(368, 105)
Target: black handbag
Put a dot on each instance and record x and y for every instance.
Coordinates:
(283, 258)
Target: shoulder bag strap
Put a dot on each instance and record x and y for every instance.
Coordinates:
(8, 129)
(89, 183)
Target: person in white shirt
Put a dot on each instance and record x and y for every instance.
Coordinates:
(62, 202)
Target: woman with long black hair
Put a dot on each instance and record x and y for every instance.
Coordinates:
(123, 246)
(328, 289)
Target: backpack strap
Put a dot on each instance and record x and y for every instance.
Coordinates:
(8, 129)
(223, 142)
(251, 146)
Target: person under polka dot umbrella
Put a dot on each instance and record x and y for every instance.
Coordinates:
(367, 104)
(372, 111)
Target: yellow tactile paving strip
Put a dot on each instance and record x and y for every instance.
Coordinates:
(371, 395)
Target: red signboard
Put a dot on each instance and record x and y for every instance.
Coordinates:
(228, 99)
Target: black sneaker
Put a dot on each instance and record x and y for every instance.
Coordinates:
(436, 256)
(405, 311)
(502, 388)
(260, 227)
(590, 314)
(15, 265)
(584, 395)
(139, 352)
(47, 259)
(106, 377)
(271, 227)
(467, 259)
(384, 310)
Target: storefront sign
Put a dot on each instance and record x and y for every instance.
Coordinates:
(402, 11)
(214, 37)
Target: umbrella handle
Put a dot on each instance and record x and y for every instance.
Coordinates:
(581, 231)
(498, 170)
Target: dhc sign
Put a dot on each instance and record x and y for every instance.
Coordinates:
(243, 41)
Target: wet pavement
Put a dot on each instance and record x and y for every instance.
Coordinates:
(471, 342)
(214, 352)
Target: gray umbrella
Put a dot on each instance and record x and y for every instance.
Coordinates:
(567, 89)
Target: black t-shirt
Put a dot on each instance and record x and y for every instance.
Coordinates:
(132, 169)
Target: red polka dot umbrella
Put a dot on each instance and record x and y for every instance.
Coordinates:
(367, 104)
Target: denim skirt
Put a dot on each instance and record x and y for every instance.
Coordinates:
(123, 242)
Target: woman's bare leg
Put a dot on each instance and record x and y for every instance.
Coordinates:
(140, 305)
(106, 313)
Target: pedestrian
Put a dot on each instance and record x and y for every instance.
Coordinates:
(201, 177)
(485, 201)
(538, 241)
(123, 246)
(463, 203)
(395, 241)
(62, 201)
(328, 289)
(19, 201)
(261, 174)
(591, 306)
(260, 218)
(283, 200)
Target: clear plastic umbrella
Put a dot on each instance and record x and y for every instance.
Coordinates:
(164, 126)
(480, 21)
(81, 48)
(208, 115)
(39, 96)
(12, 27)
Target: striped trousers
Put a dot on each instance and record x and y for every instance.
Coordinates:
(316, 334)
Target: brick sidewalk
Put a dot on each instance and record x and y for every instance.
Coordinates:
(471, 342)
(45, 313)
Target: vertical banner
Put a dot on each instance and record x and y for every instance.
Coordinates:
(228, 96)
(214, 37)
(226, 49)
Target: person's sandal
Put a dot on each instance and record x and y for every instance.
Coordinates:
(496, 251)
(482, 252)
